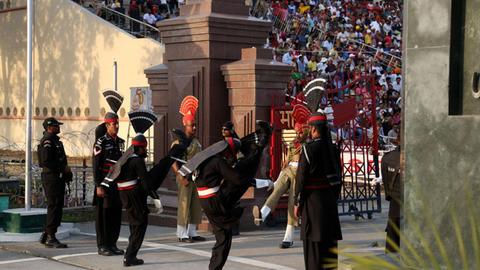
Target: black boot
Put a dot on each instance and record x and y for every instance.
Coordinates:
(236, 229)
(116, 250)
(132, 262)
(52, 242)
(43, 238)
(104, 251)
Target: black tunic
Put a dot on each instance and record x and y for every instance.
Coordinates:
(106, 151)
(316, 195)
(52, 159)
(220, 209)
(392, 179)
(134, 200)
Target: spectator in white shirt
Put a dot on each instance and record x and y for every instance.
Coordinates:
(397, 85)
(287, 58)
(375, 26)
(149, 18)
(327, 44)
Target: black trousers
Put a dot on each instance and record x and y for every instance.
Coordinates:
(54, 188)
(393, 228)
(221, 249)
(108, 221)
(135, 240)
(320, 255)
(135, 203)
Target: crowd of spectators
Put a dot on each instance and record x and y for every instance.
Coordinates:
(148, 11)
(5, 4)
(342, 41)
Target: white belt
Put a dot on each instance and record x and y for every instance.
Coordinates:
(205, 192)
(293, 164)
(127, 184)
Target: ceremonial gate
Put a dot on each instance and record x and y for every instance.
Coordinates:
(351, 112)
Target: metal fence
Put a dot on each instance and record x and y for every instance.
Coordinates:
(135, 27)
(78, 193)
(357, 138)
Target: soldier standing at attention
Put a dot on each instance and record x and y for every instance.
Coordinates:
(318, 188)
(189, 213)
(55, 173)
(107, 150)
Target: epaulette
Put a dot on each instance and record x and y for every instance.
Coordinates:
(100, 140)
(47, 143)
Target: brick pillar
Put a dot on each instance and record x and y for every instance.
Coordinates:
(252, 82)
(206, 35)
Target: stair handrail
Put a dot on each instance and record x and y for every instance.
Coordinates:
(131, 18)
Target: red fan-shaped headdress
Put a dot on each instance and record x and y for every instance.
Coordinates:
(188, 108)
(300, 114)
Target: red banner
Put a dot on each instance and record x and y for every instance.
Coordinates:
(344, 112)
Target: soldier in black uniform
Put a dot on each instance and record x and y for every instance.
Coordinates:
(107, 150)
(317, 191)
(220, 188)
(134, 182)
(228, 130)
(55, 173)
(392, 181)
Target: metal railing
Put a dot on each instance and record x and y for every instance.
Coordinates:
(131, 25)
(79, 192)
(12, 4)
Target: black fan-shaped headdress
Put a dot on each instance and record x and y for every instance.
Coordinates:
(141, 122)
(114, 100)
(313, 93)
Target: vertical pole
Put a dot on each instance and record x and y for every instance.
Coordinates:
(84, 182)
(115, 75)
(28, 131)
(375, 141)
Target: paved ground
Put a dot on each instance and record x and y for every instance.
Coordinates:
(251, 250)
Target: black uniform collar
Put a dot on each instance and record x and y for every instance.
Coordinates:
(111, 137)
(50, 135)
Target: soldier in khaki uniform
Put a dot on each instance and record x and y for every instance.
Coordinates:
(286, 179)
(189, 213)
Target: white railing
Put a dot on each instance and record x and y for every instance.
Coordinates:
(131, 25)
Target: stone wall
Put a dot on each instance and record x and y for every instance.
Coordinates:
(440, 150)
(73, 63)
